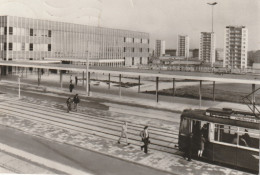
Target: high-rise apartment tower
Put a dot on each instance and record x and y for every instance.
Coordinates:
(159, 48)
(235, 47)
(207, 47)
(183, 47)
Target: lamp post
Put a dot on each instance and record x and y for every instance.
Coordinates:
(212, 30)
(19, 86)
(87, 75)
(212, 5)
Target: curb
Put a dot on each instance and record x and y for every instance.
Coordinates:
(102, 153)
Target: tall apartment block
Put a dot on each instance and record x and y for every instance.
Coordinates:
(235, 47)
(183, 46)
(207, 47)
(35, 39)
(159, 48)
(219, 54)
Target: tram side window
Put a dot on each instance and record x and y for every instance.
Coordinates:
(184, 127)
(226, 134)
(249, 138)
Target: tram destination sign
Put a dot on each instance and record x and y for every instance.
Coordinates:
(235, 117)
(243, 118)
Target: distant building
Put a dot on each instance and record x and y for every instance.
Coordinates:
(256, 68)
(191, 53)
(207, 47)
(170, 52)
(195, 53)
(179, 62)
(159, 48)
(183, 47)
(219, 54)
(171, 57)
(235, 47)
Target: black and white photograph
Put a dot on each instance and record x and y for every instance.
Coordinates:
(130, 87)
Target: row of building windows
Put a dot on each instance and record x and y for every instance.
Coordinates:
(25, 47)
(234, 47)
(234, 55)
(25, 32)
(136, 40)
(132, 49)
(139, 61)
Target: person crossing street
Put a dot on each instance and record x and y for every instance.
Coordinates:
(71, 86)
(145, 138)
(76, 101)
(68, 104)
(124, 133)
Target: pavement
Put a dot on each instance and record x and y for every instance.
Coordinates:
(173, 164)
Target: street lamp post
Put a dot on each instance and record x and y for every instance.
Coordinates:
(87, 75)
(212, 27)
(212, 5)
(19, 86)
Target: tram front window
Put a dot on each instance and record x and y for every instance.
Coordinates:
(184, 127)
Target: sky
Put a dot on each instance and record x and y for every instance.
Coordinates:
(162, 19)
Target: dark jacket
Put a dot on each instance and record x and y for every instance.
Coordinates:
(71, 86)
(76, 99)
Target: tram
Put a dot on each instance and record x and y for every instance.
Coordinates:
(231, 137)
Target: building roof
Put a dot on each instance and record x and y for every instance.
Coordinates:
(85, 60)
(138, 72)
(79, 24)
(235, 26)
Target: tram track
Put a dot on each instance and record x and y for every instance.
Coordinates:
(105, 127)
(100, 119)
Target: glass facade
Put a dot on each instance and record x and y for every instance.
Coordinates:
(34, 39)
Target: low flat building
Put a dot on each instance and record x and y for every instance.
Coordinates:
(256, 68)
(170, 52)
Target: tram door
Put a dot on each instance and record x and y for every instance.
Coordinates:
(199, 128)
(196, 135)
(184, 130)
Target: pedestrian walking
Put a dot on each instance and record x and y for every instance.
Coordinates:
(68, 104)
(76, 80)
(145, 138)
(76, 101)
(188, 149)
(124, 133)
(201, 145)
(71, 86)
